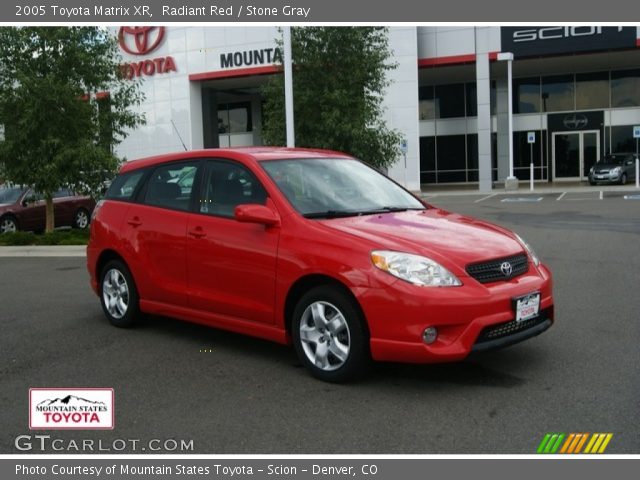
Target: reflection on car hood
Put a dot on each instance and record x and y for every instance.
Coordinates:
(606, 166)
(445, 237)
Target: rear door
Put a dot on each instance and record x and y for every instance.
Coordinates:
(155, 227)
(231, 265)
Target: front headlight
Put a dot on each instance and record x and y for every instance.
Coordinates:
(530, 251)
(615, 171)
(414, 269)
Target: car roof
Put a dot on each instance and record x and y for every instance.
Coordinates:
(240, 153)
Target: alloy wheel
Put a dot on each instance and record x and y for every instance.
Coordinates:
(325, 336)
(115, 293)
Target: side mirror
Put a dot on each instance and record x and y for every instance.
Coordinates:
(254, 213)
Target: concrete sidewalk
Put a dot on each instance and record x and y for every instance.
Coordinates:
(48, 251)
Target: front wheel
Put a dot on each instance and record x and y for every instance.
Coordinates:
(8, 224)
(623, 179)
(329, 335)
(118, 294)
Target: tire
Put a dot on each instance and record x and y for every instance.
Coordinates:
(8, 224)
(329, 335)
(591, 182)
(81, 219)
(623, 179)
(119, 295)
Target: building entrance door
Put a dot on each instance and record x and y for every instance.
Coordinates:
(574, 153)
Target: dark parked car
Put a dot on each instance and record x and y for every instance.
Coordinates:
(23, 209)
(614, 168)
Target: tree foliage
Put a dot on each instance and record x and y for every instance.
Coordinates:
(60, 126)
(339, 77)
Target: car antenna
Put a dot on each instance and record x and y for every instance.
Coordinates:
(178, 133)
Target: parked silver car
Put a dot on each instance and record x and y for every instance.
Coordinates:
(614, 168)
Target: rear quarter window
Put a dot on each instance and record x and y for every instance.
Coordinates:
(124, 186)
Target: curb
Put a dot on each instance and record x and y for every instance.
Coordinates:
(46, 251)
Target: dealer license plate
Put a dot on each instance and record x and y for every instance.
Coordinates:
(527, 306)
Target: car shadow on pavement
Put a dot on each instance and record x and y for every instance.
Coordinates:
(480, 369)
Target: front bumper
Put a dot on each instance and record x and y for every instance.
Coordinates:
(398, 315)
(605, 177)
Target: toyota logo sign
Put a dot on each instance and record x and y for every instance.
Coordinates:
(140, 40)
(506, 269)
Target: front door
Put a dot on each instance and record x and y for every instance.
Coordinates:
(231, 265)
(574, 153)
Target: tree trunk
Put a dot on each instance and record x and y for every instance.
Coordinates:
(49, 215)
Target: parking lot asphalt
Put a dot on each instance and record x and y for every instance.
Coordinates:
(233, 394)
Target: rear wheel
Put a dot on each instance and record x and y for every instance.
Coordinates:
(329, 335)
(118, 294)
(8, 224)
(81, 219)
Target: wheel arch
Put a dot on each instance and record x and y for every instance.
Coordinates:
(308, 282)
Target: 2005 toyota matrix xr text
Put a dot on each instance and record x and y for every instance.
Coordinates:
(313, 248)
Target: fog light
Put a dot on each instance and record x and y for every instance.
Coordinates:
(429, 335)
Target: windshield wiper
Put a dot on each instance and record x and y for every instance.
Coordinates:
(332, 214)
(389, 210)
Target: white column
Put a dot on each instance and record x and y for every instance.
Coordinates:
(288, 88)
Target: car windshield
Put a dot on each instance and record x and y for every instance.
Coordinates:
(10, 195)
(326, 188)
(613, 159)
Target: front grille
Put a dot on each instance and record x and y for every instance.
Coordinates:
(602, 172)
(486, 272)
(501, 330)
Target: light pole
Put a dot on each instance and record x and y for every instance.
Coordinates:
(288, 88)
(508, 57)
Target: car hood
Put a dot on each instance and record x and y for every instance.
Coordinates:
(607, 166)
(448, 238)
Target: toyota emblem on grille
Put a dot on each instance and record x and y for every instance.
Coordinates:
(506, 269)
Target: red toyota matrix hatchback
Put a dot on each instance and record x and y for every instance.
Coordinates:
(312, 248)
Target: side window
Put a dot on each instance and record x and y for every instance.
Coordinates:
(124, 186)
(170, 186)
(63, 192)
(227, 185)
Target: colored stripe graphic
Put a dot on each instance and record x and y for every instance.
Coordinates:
(574, 442)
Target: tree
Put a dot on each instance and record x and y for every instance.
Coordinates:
(339, 78)
(64, 105)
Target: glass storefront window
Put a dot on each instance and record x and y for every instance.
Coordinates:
(522, 155)
(449, 100)
(592, 90)
(625, 88)
(558, 93)
(234, 118)
(427, 159)
(427, 103)
(471, 98)
(622, 139)
(526, 93)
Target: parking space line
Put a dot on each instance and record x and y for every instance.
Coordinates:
(485, 198)
(560, 197)
(600, 194)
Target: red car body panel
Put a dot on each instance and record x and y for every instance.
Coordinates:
(233, 275)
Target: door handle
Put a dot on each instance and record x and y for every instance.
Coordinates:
(197, 232)
(134, 222)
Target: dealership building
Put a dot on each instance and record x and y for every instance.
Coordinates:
(574, 91)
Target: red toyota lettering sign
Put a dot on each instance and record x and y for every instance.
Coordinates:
(142, 40)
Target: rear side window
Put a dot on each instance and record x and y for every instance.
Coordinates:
(124, 186)
(170, 186)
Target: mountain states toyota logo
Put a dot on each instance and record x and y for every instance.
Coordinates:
(71, 409)
(140, 40)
